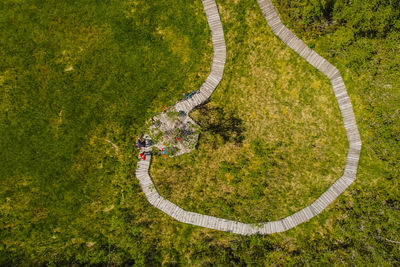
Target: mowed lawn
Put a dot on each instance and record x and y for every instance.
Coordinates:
(273, 139)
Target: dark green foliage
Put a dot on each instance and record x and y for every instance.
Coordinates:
(374, 18)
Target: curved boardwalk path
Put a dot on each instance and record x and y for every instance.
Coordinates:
(206, 90)
(217, 68)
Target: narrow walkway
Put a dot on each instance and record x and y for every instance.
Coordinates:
(206, 90)
(218, 65)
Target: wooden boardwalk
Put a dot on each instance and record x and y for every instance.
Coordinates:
(350, 170)
(218, 65)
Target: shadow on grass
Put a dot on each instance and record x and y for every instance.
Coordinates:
(218, 122)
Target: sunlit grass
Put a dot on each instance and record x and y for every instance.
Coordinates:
(74, 74)
(294, 143)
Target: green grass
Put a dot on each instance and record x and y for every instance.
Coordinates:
(292, 146)
(272, 137)
(58, 173)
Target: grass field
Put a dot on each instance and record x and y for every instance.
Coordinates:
(271, 140)
(75, 74)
